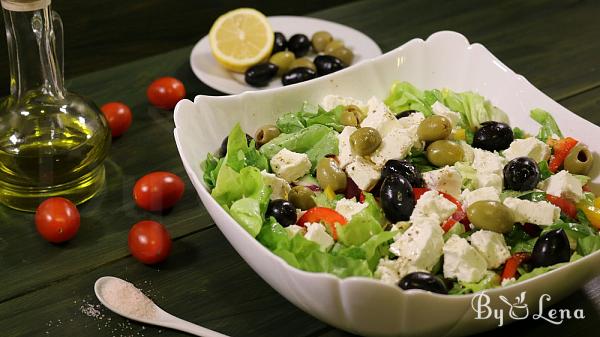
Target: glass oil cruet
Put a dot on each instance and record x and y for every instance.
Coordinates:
(52, 142)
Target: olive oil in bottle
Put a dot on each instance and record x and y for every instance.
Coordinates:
(52, 142)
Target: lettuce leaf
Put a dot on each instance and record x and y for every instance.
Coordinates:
(474, 109)
(211, 167)
(519, 240)
(306, 255)
(244, 195)
(363, 225)
(541, 270)
(588, 245)
(309, 115)
(240, 154)
(316, 141)
(548, 124)
(404, 96)
(490, 280)
(545, 172)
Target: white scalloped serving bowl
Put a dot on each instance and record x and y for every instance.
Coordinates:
(361, 305)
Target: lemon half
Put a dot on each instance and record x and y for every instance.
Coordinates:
(241, 38)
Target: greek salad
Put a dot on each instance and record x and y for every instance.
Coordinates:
(427, 189)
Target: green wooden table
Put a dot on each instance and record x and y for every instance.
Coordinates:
(46, 290)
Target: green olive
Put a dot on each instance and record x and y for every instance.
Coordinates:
(579, 160)
(344, 54)
(333, 45)
(434, 128)
(265, 134)
(303, 62)
(490, 215)
(283, 60)
(365, 141)
(330, 174)
(444, 152)
(351, 116)
(320, 40)
(302, 197)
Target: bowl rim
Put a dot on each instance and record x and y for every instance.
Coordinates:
(413, 293)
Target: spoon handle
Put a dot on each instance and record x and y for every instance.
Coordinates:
(185, 326)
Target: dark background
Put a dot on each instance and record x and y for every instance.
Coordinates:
(104, 33)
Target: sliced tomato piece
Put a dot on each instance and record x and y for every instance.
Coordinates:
(561, 148)
(323, 215)
(512, 264)
(565, 205)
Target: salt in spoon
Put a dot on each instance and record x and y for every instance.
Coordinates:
(158, 317)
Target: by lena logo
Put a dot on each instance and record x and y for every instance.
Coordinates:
(518, 309)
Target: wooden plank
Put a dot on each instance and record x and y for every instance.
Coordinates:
(552, 43)
(102, 34)
(586, 105)
(29, 262)
(204, 281)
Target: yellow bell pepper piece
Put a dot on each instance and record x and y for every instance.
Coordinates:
(597, 202)
(591, 212)
(329, 193)
(458, 134)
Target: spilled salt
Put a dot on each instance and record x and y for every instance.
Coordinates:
(127, 299)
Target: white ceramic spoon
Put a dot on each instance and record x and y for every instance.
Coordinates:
(162, 318)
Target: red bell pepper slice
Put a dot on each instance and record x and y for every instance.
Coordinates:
(511, 265)
(561, 148)
(565, 205)
(324, 215)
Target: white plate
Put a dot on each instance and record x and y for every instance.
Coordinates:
(206, 68)
(362, 305)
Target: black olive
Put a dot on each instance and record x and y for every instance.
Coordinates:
(424, 281)
(298, 75)
(223, 149)
(404, 168)
(405, 113)
(283, 211)
(521, 174)
(493, 136)
(280, 43)
(551, 248)
(299, 44)
(327, 64)
(261, 74)
(397, 199)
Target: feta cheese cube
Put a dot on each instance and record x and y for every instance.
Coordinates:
(420, 245)
(396, 144)
(378, 115)
(447, 180)
(484, 193)
(316, 232)
(293, 230)
(529, 147)
(563, 184)
(489, 180)
(487, 162)
(462, 261)
(391, 271)
(492, 247)
(442, 110)
(363, 173)
(290, 165)
(279, 187)
(411, 121)
(349, 207)
(540, 213)
(345, 155)
(432, 205)
(332, 101)
(468, 152)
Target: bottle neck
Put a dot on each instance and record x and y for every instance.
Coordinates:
(32, 48)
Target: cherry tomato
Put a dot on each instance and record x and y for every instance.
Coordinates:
(57, 220)
(149, 242)
(165, 92)
(118, 116)
(158, 191)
